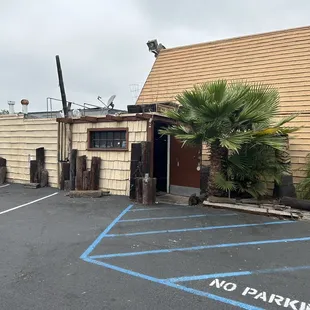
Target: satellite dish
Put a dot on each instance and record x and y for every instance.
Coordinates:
(110, 103)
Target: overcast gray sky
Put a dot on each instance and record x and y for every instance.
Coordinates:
(102, 43)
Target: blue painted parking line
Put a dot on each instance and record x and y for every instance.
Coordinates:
(174, 285)
(101, 236)
(153, 232)
(174, 282)
(237, 274)
(202, 247)
(176, 217)
(160, 208)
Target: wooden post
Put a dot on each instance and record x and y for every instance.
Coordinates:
(65, 174)
(139, 190)
(33, 171)
(2, 162)
(3, 170)
(40, 158)
(149, 191)
(73, 155)
(44, 178)
(87, 180)
(135, 168)
(95, 173)
(80, 168)
(146, 157)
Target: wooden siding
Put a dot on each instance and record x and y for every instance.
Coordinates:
(19, 139)
(279, 58)
(115, 166)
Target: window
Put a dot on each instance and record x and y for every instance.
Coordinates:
(107, 139)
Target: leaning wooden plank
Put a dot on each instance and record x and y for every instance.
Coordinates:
(88, 194)
(255, 210)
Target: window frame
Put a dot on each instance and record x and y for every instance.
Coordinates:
(90, 130)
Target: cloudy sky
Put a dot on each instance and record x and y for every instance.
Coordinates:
(102, 43)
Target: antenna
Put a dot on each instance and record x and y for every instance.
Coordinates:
(135, 90)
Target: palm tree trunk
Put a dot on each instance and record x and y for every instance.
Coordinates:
(218, 155)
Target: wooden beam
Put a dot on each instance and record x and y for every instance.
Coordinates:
(114, 118)
(65, 120)
(141, 116)
(90, 119)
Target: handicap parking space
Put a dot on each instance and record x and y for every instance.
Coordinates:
(236, 259)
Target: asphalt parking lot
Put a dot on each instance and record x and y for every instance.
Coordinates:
(64, 253)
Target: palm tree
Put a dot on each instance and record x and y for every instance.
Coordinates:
(227, 116)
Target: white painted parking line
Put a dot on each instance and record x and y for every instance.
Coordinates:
(28, 203)
(5, 185)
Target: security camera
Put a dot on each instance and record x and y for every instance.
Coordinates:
(154, 47)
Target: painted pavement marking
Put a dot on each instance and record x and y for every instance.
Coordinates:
(202, 247)
(160, 208)
(172, 282)
(176, 217)
(6, 185)
(28, 203)
(237, 274)
(196, 229)
(86, 258)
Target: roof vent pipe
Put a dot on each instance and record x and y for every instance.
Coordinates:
(11, 107)
(24, 103)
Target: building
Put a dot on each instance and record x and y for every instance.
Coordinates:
(278, 58)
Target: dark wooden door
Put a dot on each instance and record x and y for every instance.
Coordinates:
(183, 165)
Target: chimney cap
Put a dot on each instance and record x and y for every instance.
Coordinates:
(24, 102)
